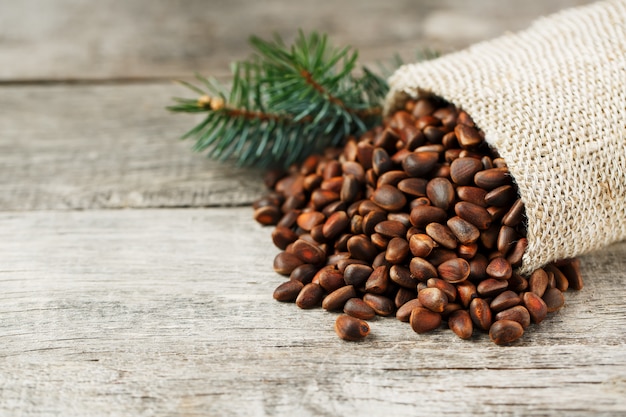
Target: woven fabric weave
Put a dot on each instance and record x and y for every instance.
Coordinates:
(552, 102)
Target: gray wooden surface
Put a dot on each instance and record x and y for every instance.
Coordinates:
(131, 284)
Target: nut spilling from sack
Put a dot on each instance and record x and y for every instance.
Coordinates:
(417, 218)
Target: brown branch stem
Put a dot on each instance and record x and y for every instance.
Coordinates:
(217, 104)
(308, 77)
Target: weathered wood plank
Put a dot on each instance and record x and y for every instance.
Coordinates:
(80, 147)
(169, 313)
(69, 39)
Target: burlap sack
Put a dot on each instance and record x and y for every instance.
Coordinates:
(552, 102)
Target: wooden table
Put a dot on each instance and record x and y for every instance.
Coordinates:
(134, 282)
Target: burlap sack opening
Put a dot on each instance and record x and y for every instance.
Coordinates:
(552, 102)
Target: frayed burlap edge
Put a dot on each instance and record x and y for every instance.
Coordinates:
(552, 102)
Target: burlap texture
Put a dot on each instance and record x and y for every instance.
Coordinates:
(552, 102)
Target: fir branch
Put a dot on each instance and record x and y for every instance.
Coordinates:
(285, 103)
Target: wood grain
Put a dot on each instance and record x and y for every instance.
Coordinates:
(138, 39)
(169, 312)
(109, 146)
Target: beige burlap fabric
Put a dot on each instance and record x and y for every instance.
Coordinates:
(552, 101)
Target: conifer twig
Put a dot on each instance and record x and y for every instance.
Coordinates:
(285, 103)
